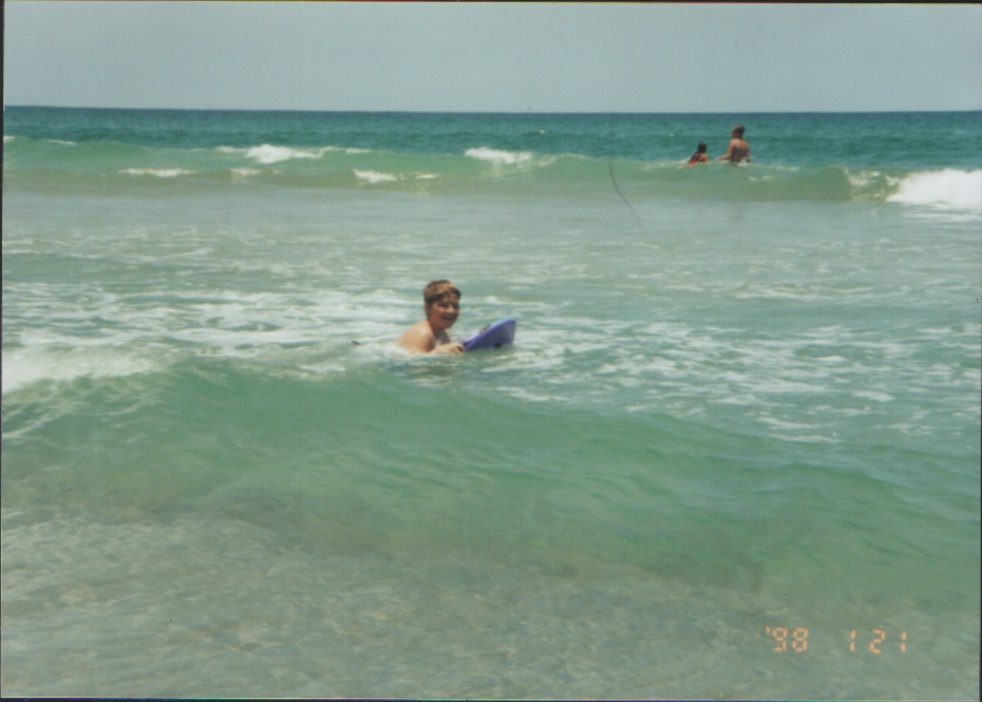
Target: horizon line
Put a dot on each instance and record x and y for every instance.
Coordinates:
(486, 112)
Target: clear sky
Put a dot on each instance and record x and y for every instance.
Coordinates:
(513, 57)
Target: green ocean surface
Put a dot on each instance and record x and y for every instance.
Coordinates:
(733, 453)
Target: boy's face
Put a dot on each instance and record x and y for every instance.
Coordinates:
(444, 312)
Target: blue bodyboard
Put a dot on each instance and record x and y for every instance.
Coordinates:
(492, 336)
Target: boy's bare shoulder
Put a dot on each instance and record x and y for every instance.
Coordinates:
(418, 337)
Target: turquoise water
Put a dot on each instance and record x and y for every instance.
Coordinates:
(734, 451)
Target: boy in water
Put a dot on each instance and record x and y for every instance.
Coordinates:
(739, 150)
(441, 302)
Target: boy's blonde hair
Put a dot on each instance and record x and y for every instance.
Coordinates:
(437, 289)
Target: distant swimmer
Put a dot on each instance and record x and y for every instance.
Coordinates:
(739, 150)
(700, 156)
(441, 303)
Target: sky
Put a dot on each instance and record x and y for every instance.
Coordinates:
(493, 57)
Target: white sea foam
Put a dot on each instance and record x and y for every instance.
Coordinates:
(146, 336)
(7, 138)
(866, 179)
(156, 172)
(873, 395)
(945, 189)
(498, 157)
(268, 154)
(22, 368)
(374, 177)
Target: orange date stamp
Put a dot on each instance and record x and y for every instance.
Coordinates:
(875, 641)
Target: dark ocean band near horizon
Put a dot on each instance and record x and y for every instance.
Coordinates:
(733, 451)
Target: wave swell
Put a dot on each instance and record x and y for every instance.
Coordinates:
(481, 168)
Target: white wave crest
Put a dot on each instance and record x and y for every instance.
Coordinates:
(945, 189)
(157, 172)
(498, 157)
(268, 154)
(374, 177)
(26, 367)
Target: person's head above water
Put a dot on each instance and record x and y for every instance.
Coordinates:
(701, 149)
(737, 131)
(441, 302)
(437, 289)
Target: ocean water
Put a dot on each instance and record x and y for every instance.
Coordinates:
(733, 453)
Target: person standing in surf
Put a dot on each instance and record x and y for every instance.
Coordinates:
(739, 150)
(441, 303)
